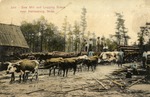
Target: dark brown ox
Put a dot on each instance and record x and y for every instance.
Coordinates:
(53, 64)
(68, 63)
(62, 64)
(91, 62)
(23, 67)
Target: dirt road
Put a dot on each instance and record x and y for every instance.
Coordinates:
(83, 84)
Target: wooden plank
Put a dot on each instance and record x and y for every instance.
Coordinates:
(136, 82)
(115, 82)
(101, 83)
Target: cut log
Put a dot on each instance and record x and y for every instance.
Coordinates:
(136, 82)
(115, 82)
(100, 83)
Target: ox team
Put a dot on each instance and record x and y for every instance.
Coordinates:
(26, 66)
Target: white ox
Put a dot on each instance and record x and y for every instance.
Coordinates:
(109, 56)
(23, 67)
(80, 61)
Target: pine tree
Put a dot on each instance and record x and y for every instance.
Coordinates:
(83, 21)
(83, 27)
(64, 29)
(70, 39)
(121, 33)
(76, 32)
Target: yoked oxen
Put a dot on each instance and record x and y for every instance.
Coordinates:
(80, 62)
(91, 62)
(53, 64)
(68, 63)
(23, 67)
(62, 64)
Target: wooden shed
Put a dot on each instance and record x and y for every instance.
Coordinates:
(12, 41)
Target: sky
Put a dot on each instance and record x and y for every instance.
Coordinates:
(100, 14)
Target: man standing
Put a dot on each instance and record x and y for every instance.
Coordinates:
(90, 50)
(144, 57)
(98, 44)
(121, 56)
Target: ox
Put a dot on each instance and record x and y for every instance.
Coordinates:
(80, 61)
(53, 64)
(23, 67)
(108, 57)
(91, 62)
(60, 63)
(68, 63)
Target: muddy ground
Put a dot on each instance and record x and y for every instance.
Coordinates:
(83, 84)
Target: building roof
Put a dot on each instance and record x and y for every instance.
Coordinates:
(11, 35)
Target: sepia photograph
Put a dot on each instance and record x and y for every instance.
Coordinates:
(74, 48)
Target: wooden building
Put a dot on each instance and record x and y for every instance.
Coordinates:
(12, 41)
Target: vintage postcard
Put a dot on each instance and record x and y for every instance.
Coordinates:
(74, 48)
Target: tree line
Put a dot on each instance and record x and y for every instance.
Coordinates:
(43, 36)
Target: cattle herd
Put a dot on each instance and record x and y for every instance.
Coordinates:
(59, 66)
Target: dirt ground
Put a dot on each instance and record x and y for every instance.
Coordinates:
(83, 84)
